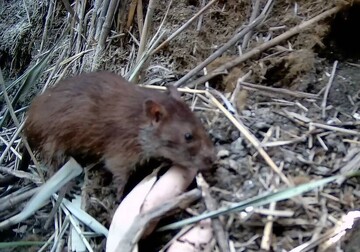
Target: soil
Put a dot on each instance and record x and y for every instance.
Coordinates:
(302, 64)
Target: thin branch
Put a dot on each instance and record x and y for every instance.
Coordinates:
(333, 128)
(146, 29)
(221, 50)
(184, 26)
(16, 200)
(283, 91)
(220, 234)
(254, 13)
(259, 49)
(251, 138)
(327, 90)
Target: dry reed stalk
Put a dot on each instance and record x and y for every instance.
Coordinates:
(200, 20)
(184, 26)
(225, 47)
(70, 9)
(9, 202)
(221, 236)
(334, 128)
(250, 138)
(104, 32)
(184, 90)
(257, 50)
(101, 19)
(131, 14)
(19, 128)
(268, 229)
(327, 89)
(20, 174)
(254, 13)
(92, 29)
(12, 149)
(48, 20)
(140, 17)
(73, 22)
(146, 29)
(283, 91)
(142, 57)
(79, 27)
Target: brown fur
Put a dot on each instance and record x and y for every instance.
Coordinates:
(102, 116)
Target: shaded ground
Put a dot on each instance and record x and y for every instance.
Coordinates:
(280, 121)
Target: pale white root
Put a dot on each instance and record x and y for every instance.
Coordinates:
(144, 197)
(195, 240)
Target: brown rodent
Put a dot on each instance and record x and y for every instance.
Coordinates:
(101, 115)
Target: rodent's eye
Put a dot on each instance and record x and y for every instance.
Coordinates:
(188, 137)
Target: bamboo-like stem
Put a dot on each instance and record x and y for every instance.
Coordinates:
(131, 13)
(140, 16)
(146, 28)
(104, 32)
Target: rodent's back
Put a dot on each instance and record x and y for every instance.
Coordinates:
(80, 114)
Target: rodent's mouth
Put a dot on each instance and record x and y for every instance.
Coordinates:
(197, 164)
(203, 166)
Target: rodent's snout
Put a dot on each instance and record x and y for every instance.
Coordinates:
(208, 161)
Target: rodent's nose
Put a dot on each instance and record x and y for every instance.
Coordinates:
(209, 160)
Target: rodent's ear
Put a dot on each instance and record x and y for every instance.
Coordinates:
(173, 92)
(154, 110)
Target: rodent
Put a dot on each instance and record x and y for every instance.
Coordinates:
(101, 115)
